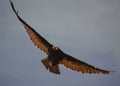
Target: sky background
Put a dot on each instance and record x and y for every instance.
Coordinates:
(89, 30)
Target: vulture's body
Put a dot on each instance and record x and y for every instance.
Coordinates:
(55, 56)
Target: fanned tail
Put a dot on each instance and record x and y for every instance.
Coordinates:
(53, 69)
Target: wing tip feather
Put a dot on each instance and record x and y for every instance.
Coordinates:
(87, 70)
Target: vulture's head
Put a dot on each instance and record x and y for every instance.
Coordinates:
(55, 48)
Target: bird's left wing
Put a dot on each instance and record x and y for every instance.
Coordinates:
(36, 38)
(80, 66)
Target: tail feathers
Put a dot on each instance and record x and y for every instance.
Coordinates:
(53, 69)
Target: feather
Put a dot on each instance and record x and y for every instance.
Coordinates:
(36, 38)
(80, 66)
(53, 69)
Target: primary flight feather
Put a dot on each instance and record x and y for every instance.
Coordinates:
(55, 56)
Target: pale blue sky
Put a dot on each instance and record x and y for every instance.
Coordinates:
(86, 29)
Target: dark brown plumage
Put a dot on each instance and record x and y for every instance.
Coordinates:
(55, 56)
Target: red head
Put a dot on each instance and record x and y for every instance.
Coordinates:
(54, 47)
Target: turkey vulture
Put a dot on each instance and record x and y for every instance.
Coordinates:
(56, 56)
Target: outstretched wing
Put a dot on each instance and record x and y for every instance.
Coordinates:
(80, 66)
(37, 39)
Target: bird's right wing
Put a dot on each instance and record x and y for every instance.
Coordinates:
(80, 66)
(36, 38)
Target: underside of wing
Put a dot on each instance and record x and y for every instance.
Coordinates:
(80, 66)
(36, 38)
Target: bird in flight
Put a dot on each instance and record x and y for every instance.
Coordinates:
(56, 56)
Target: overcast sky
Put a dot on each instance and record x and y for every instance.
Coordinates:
(88, 30)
